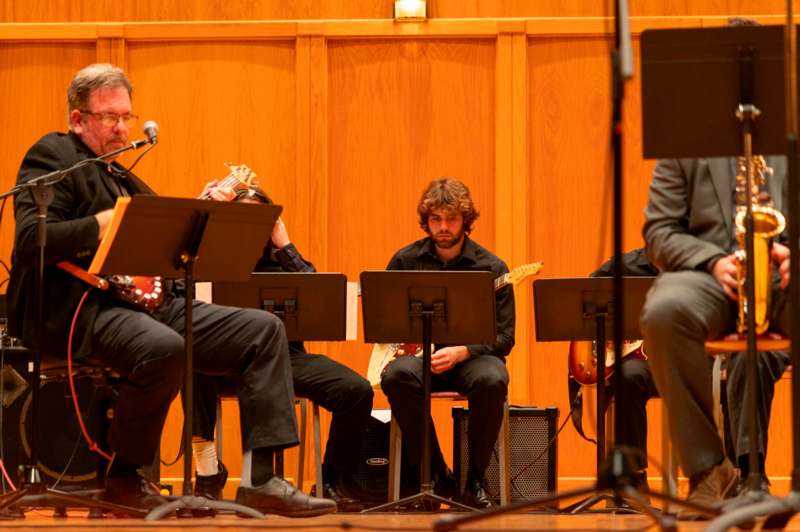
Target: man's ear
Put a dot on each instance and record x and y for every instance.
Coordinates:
(76, 121)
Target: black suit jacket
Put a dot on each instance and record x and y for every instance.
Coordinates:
(72, 234)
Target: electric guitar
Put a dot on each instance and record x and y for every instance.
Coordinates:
(583, 359)
(144, 292)
(383, 354)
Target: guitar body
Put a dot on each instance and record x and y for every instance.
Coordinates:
(383, 354)
(142, 292)
(583, 359)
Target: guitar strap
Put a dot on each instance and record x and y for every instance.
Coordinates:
(88, 278)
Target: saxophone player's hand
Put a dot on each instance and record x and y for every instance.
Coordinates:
(724, 271)
(780, 254)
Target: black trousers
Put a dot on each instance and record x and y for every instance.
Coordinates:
(770, 367)
(636, 387)
(483, 380)
(333, 386)
(248, 345)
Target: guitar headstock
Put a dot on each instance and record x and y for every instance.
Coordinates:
(520, 273)
(241, 176)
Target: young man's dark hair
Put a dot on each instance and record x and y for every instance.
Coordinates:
(452, 196)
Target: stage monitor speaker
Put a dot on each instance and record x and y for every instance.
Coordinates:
(371, 478)
(63, 456)
(531, 432)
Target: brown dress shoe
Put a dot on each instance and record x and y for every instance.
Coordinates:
(710, 488)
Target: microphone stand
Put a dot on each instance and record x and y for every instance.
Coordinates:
(33, 492)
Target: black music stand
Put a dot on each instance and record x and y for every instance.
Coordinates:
(582, 309)
(312, 306)
(719, 92)
(226, 237)
(445, 307)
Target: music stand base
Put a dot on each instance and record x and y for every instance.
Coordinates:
(586, 505)
(424, 495)
(39, 496)
(189, 502)
(743, 512)
(615, 481)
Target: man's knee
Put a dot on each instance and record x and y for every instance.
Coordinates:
(398, 377)
(491, 384)
(265, 322)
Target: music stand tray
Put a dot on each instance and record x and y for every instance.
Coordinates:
(312, 306)
(172, 234)
(445, 307)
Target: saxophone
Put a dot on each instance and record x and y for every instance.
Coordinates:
(768, 222)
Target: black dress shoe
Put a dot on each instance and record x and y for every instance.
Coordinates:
(444, 484)
(133, 491)
(343, 502)
(277, 496)
(210, 486)
(475, 494)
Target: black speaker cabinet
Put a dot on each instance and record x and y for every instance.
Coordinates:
(63, 455)
(371, 478)
(531, 430)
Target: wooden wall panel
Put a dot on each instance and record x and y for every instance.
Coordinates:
(214, 103)
(572, 193)
(400, 114)
(157, 10)
(33, 81)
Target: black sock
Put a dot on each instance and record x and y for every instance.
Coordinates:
(263, 467)
(743, 462)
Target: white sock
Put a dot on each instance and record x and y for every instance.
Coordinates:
(205, 457)
(247, 470)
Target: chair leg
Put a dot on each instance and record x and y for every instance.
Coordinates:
(317, 450)
(504, 457)
(218, 429)
(669, 470)
(716, 390)
(301, 458)
(395, 451)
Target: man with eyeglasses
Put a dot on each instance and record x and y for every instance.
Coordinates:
(146, 348)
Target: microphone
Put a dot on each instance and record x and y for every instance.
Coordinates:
(151, 131)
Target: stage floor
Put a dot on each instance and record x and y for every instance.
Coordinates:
(406, 522)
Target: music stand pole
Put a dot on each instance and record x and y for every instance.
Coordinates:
(425, 313)
(183, 505)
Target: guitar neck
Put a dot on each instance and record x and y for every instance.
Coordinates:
(502, 281)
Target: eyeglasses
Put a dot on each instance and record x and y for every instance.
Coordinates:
(112, 119)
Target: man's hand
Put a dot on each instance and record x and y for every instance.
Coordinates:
(447, 357)
(218, 193)
(280, 236)
(103, 219)
(724, 272)
(780, 254)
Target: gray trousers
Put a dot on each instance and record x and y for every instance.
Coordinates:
(683, 310)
